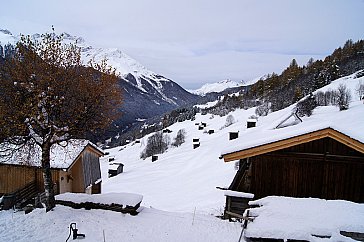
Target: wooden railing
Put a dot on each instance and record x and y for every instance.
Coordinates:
(20, 196)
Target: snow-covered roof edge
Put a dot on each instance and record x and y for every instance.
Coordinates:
(63, 156)
(89, 144)
(358, 145)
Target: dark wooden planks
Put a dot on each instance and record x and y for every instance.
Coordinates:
(132, 210)
(322, 168)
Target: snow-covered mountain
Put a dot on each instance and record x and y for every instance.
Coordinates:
(129, 69)
(216, 87)
(223, 85)
(146, 94)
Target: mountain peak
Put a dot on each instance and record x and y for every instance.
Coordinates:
(216, 87)
(5, 31)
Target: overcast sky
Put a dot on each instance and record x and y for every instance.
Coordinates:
(199, 41)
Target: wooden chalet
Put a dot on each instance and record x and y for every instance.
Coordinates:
(74, 168)
(311, 160)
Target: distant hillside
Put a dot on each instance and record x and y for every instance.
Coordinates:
(296, 81)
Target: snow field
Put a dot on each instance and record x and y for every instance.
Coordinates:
(182, 179)
(150, 225)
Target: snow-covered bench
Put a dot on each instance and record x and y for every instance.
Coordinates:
(118, 202)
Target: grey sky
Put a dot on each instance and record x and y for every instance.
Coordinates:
(199, 41)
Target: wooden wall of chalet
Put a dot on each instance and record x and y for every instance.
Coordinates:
(78, 183)
(14, 177)
(91, 167)
(324, 168)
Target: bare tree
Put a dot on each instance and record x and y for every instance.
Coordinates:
(262, 110)
(320, 98)
(180, 138)
(343, 97)
(156, 144)
(306, 106)
(360, 90)
(229, 120)
(48, 97)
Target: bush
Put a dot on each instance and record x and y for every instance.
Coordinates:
(180, 138)
(229, 121)
(156, 144)
(306, 106)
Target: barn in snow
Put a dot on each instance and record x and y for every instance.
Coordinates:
(75, 167)
(316, 158)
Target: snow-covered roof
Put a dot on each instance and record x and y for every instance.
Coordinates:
(62, 155)
(304, 219)
(251, 120)
(348, 122)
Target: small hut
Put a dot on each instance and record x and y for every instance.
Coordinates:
(233, 135)
(115, 169)
(154, 158)
(195, 143)
(251, 123)
(211, 131)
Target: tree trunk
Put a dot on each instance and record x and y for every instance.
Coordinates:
(47, 177)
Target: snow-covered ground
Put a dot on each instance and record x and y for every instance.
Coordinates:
(305, 219)
(150, 225)
(182, 179)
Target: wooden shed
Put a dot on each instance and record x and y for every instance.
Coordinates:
(322, 163)
(233, 135)
(115, 169)
(251, 123)
(74, 167)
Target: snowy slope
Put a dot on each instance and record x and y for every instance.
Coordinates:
(99, 225)
(184, 179)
